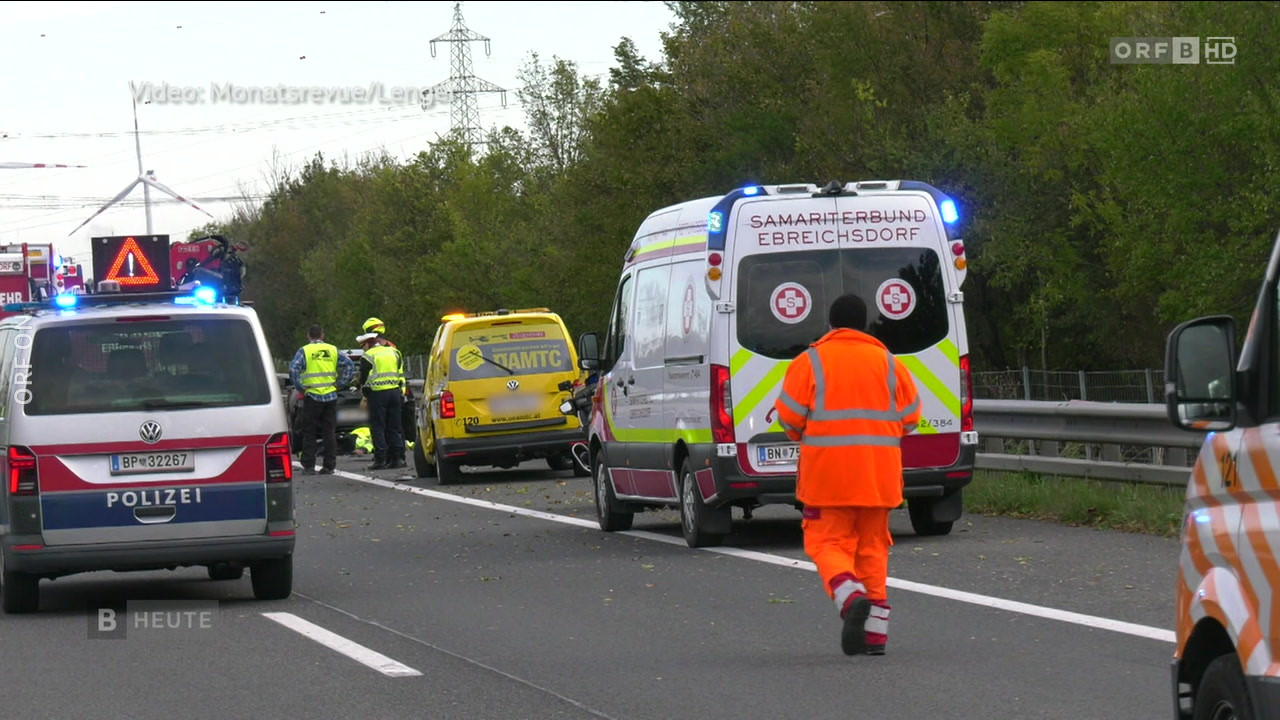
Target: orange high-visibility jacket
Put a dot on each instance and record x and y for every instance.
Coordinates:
(848, 402)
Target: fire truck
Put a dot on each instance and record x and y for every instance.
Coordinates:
(30, 272)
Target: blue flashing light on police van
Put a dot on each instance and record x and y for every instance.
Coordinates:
(751, 190)
(949, 212)
(206, 295)
(65, 300)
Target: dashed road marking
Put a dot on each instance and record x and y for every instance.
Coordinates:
(333, 641)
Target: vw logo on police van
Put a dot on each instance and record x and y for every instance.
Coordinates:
(513, 385)
(150, 431)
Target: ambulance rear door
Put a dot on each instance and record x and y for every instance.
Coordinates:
(790, 258)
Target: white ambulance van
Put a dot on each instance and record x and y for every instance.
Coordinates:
(1226, 658)
(718, 295)
(141, 431)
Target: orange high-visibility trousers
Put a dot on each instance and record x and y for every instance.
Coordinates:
(850, 546)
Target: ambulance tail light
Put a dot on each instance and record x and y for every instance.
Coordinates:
(721, 405)
(22, 471)
(279, 458)
(447, 410)
(966, 395)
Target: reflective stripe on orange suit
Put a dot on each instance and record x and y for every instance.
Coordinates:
(848, 402)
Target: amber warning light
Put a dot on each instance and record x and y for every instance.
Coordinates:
(135, 262)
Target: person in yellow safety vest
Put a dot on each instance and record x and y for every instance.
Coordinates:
(318, 370)
(375, 325)
(382, 382)
(364, 444)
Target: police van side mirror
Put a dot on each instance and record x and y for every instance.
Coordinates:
(1200, 374)
(589, 351)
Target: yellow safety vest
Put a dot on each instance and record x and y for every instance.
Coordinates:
(387, 372)
(320, 374)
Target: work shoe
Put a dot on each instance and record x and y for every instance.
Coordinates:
(326, 471)
(378, 465)
(307, 471)
(875, 649)
(853, 639)
(397, 463)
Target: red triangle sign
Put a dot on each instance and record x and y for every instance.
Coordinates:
(122, 261)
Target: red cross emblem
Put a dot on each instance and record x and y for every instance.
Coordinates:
(791, 303)
(896, 299)
(688, 309)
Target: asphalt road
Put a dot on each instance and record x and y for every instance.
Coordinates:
(501, 598)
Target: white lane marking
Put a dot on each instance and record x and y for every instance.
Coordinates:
(1101, 623)
(333, 641)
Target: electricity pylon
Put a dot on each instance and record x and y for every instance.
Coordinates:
(462, 86)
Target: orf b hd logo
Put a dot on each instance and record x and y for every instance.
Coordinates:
(1173, 51)
(152, 617)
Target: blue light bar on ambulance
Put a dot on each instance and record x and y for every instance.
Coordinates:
(719, 216)
(949, 213)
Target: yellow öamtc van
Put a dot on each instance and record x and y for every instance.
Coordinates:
(495, 381)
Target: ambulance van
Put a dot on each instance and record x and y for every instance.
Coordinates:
(141, 431)
(1226, 658)
(716, 297)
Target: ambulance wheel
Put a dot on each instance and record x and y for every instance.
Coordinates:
(702, 526)
(272, 579)
(224, 571)
(1222, 693)
(420, 464)
(923, 522)
(21, 592)
(607, 513)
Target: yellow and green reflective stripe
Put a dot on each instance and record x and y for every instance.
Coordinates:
(931, 381)
(768, 387)
(670, 244)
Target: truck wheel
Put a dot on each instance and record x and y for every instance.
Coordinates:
(449, 471)
(420, 464)
(607, 513)
(702, 526)
(1222, 694)
(21, 592)
(272, 579)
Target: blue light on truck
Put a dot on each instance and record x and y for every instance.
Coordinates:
(949, 212)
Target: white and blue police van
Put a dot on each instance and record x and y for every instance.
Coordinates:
(141, 431)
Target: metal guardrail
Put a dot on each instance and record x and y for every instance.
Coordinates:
(1129, 442)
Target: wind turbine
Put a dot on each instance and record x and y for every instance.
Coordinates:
(146, 179)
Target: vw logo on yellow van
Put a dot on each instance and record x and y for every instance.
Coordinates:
(150, 431)
(513, 385)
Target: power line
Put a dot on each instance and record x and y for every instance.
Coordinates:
(462, 86)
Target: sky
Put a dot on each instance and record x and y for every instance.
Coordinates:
(71, 71)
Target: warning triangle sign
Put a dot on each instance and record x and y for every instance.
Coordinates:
(131, 267)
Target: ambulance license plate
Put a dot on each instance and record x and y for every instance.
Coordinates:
(778, 454)
(134, 463)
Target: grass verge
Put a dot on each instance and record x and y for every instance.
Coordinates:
(1150, 509)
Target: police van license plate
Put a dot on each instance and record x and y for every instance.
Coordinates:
(778, 454)
(133, 463)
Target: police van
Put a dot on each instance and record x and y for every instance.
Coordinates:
(1226, 658)
(141, 431)
(715, 298)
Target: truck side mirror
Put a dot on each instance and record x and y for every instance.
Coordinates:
(1200, 378)
(589, 351)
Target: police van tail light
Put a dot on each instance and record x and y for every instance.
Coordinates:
(22, 471)
(721, 405)
(447, 410)
(279, 458)
(966, 395)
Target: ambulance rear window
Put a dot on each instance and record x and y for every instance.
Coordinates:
(146, 365)
(501, 350)
(784, 297)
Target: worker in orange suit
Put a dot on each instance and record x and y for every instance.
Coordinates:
(848, 402)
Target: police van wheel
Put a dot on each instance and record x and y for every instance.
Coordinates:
(1222, 694)
(272, 579)
(21, 592)
(702, 526)
(607, 514)
(225, 571)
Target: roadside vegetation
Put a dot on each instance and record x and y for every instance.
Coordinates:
(1149, 509)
